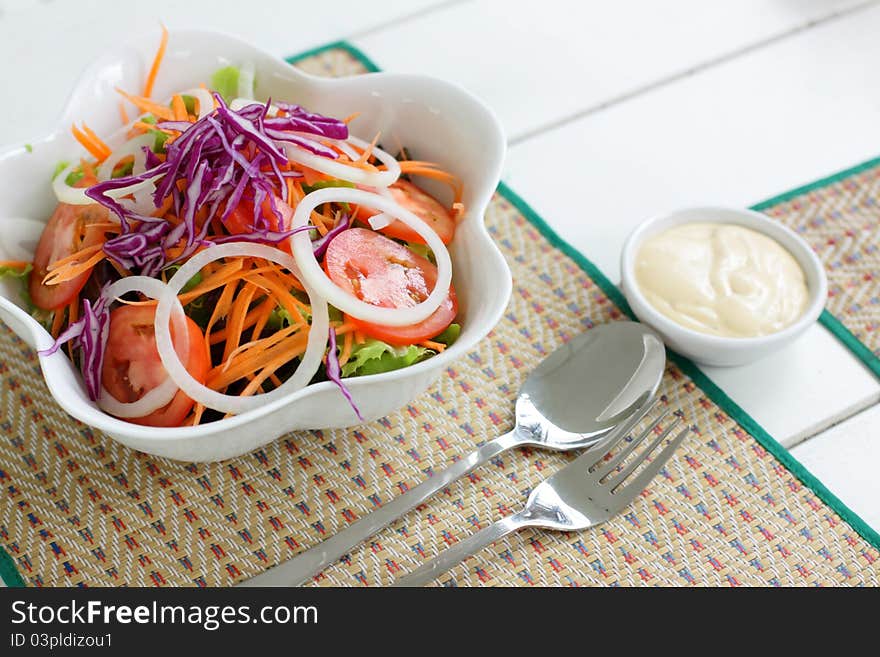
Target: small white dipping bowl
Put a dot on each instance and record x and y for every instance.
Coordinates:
(711, 349)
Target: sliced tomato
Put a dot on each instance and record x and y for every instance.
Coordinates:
(385, 273)
(66, 232)
(421, 204)
(241, 219)
(132, 366)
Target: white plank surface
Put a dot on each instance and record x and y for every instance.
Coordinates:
(47, 43)
(538, 62)
(745, 130)
(846, 459)
(802, 389)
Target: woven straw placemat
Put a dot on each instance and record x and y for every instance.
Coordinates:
(732, 507)
(840, 218)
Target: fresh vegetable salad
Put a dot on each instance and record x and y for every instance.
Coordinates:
(218, 252)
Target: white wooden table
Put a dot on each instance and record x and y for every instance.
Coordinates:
(615, 111)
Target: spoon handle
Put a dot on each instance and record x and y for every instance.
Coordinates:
(462, 550)
(311, 562)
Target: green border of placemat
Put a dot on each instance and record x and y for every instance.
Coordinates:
(11, 577)
(713, 392)
(829, 321)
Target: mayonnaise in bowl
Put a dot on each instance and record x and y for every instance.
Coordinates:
(721, 279)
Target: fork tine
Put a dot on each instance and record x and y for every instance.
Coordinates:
(621, 431)
(604, 468)
(641, 480)
(618, 478)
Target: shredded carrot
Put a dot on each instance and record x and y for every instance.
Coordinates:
(256, 318)
(430, 344)
(91, 142)
(147, 105)
(263, 313)
(75, 257)
(235, 321)
(248, 349)
(311, 176)
(347, 344)
(368, 151)
(359, 337)
(220, 309)
(123, 113)
(351, 117)
(73, 310)
(282, 295)
(179, 108)
(268, 368)
(14, 264)
(318, 222)
(431, 170)
(221, 277)
(157, 61)
(162, 210)
(198, 410)
(70, 267)
(284, 351)
(57, 322)
(88, 170)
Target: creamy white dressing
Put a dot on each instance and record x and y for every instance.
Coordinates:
(721, 279)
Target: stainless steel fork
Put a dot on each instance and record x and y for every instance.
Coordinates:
(585, 493)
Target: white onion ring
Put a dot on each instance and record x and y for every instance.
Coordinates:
(237, 104)
(246, 80)
(162, 394)
(67, 194)
(314, 275)
(134, 147)
(380, 221)
(341, 144)
(311, 359)
(143, 200)
(346, 171)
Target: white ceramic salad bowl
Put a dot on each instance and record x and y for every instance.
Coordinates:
(435, 120)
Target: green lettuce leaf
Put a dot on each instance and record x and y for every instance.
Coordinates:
(123, 170)
(324, 184)
(12, 272)
(190, 103)
(375, 356)
(450, 335)
(44, 317)
(423, 250)
(225, 82)
(72, 178)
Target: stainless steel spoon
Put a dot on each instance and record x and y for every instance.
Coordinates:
(575, 396)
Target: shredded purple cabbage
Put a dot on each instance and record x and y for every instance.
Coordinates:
(334, 372)
(271, 236)
(215, 163)
(219, 159)
(90, 333)
(319, 246)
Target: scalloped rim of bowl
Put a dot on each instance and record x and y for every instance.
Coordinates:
(26, 327)
(814, 273)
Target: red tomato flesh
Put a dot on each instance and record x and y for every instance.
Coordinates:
(66, 232)
(241, 219)
(132, 366)
(383, 273)
(421, 204)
